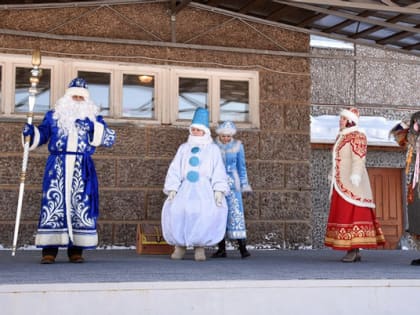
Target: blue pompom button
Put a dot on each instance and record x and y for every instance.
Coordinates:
(193, 176)
(195, 150)
(194, 161)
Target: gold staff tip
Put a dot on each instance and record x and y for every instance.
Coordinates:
(36, 57)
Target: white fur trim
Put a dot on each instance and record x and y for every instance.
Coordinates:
(226, 131)
(78, 91)
(201, 127)
(404, 125)
(45, 237)
(69, 170)
(246, 188)
(98, 132)
(83, 239)
(348, 114)
(35, 141)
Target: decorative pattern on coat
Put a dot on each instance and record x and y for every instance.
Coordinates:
(80, 200)
(235, 215)
(108, 138)
(358, 143)
(52, 212)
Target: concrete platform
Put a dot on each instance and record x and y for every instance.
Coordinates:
(269, 282)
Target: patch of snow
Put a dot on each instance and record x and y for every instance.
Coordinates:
(324, 129)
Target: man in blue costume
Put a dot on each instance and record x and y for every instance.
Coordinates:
(70, 198)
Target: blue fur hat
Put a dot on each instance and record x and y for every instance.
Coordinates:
(78, 86)
(226, 128)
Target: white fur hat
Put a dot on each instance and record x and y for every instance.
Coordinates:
(226, 128)
(351, 114)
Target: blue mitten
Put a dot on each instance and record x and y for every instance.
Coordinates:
(85, 124)
(28, 130)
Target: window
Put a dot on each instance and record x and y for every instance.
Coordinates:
(138, 99)
(234, 100)
(228, 95)
(22, 85)
(192, 93)
(99, 89)
(147, 93)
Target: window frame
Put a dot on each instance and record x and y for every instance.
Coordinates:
(166, 92)
(214, 77)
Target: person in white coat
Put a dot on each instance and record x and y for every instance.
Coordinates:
(195, 212)
(352, 222)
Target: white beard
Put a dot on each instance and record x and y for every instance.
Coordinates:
(68, 111)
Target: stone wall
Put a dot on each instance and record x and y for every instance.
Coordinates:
(131, 174)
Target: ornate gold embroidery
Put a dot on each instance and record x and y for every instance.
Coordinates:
(345, 235)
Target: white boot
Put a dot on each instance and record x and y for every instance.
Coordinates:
(199, 254)
(179, 252)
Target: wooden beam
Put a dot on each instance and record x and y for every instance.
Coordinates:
(175, 8)
(412, 47)
(54, 5)
(389, 2)
(395, 37)
(297, 29)
(250, 4)
(365, 5)
(377, 28)
(350, 16)
(214, 2)
(345, 23)
(312, 19)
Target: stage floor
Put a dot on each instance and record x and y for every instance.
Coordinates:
(125, 265)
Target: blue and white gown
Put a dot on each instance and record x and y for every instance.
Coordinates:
(233, 154)
(192, 218)
(70, 197)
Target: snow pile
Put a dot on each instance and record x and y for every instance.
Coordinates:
(324, 129)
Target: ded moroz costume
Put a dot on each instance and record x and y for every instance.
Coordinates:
(70, 198)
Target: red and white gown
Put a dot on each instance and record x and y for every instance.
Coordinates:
(352, 221)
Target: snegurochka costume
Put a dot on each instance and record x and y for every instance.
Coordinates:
(233, 154)
(70, 204)
(352, 222)
(195, 175)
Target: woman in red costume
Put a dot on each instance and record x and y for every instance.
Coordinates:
(352, 222)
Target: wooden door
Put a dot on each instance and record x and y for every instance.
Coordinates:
(387, 194)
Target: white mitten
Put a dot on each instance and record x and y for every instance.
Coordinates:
(171, 195)
(355, 179)
(218, 197)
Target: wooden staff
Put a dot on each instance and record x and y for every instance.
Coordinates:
(34, 79)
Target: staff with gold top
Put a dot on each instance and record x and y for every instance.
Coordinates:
(34, 80)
